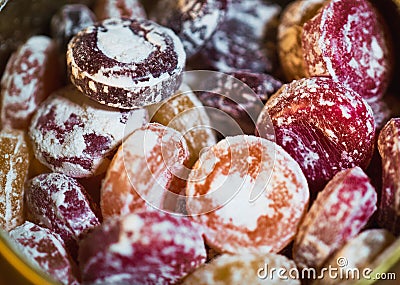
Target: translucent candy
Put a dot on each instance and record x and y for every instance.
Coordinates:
(14, 163)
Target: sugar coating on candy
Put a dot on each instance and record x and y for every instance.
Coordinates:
(247, 267)
(68, 21)
(75, 135)
(144, 170)
(347, 40)
(340, 211)
(389, 149)
(119, 9)
(61, 204)
(14, 163)
(238, 42)
(382, 112)
(194, 21)
(290, 31)
(148, 247)
(359, 252)
(324, 126)
(219, 189)
(239, 96)
(126, 63)
(32, 73)
(186, 114)
(46, 250)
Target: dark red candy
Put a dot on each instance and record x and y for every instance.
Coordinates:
(236, 100)
(194, 21)
(148, 247)
(348, 41)
(389, 149)
(239, 43)
(68, 21)
(126, 63)
(46, 250)
(60, 203)
(324, 126)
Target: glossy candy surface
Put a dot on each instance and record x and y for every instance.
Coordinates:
(324, 126)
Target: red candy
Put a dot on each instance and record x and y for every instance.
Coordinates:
(68, 21)
(348, 41)
(60, 203)
(75, 135)
(340, 211)
(46, 250)
(389, 149)
(247, 192)
(32, 73)
(144, 248)
(324, 126)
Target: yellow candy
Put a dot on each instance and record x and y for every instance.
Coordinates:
(14, 163)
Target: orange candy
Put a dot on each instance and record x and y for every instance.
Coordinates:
(148, 164)
(14, 162)
(185, 113)
(250, 190)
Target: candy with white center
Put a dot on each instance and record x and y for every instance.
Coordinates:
(126, 63)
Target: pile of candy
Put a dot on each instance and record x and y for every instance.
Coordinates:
(121, 163)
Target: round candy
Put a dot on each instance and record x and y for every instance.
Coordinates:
(60, 203)
(194, 21)
(46, 250)
(239, 42)
(186, 114)
(126, 63)
(235, 101)
(68, 21)
(290, 30)
(148, 247)
(338, 214)
(324, 126)
(75, 135)
(32, 73)
(132, 9)
(247, 192)
(348, 41)
(244, 268)
(146, 168)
